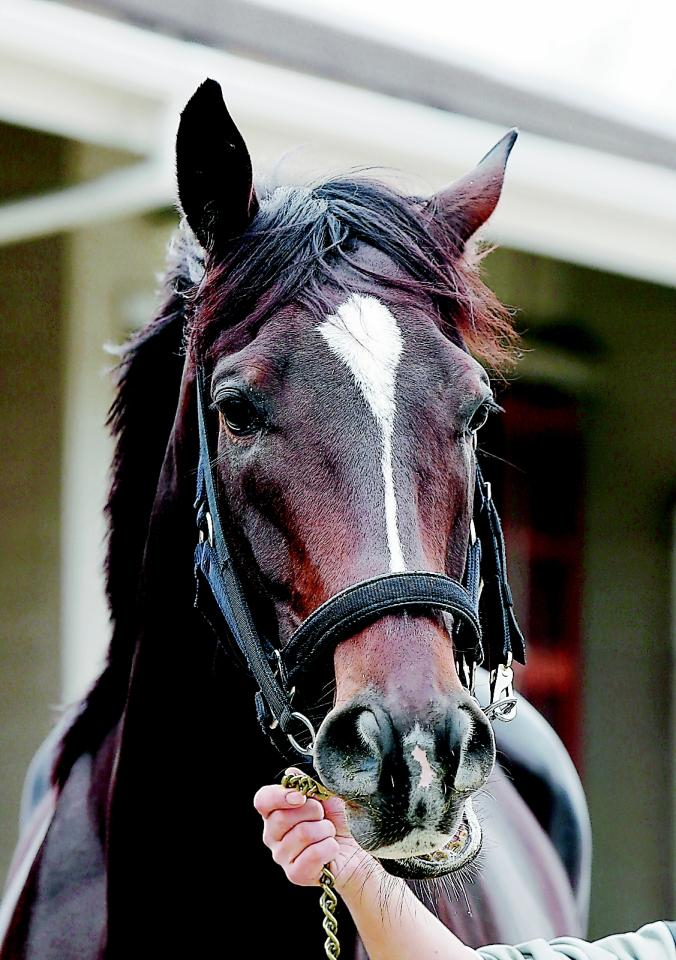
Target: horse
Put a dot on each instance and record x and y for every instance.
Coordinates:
(295, 469)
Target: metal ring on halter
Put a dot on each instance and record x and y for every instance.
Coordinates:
(210, 529)
(308, 751)
(504, 710)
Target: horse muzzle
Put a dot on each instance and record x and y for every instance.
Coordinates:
(408, 781)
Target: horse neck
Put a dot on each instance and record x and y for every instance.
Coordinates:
(190, 755)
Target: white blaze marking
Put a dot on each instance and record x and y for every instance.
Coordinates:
(364, 335)
(427, 774)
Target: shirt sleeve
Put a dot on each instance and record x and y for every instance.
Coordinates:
(652, 942)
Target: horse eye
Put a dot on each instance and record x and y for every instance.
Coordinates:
(239, 415)
(481, 415)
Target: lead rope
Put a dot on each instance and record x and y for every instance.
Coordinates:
(328, 900)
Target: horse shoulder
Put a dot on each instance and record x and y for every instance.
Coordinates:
(55, 904)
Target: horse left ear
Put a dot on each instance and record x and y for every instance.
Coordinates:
(468, 203)
(213, 169)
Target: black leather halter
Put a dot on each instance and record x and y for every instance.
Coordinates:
(485, 627)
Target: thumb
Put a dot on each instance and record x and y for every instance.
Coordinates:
(334, 809)
(293, 772)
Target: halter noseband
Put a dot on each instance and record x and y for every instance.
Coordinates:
(485, 626)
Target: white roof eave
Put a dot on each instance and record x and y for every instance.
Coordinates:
(88, 78)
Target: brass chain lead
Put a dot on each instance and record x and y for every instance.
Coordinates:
(328, 901)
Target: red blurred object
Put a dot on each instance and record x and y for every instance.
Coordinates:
(534, 456)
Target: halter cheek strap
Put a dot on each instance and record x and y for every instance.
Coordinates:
(481, 608)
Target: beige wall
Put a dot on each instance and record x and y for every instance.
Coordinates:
(109, 288)
(31, 364)
(61, 300)
(627, 674)
(628, 682)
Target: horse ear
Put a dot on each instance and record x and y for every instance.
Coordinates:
(213, 169)
(468, 203)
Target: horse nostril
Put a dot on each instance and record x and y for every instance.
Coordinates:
(476, 749)
(349, 752)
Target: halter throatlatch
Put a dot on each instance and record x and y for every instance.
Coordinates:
(485, 628)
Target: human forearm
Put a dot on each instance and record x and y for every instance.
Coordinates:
(391, 921)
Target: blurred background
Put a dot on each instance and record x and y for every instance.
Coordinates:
(583, 460)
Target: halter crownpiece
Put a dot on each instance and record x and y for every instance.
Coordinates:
(485, 626)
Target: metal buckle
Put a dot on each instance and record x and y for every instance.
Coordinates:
(210, 529)
(281, 670)
(466, 668)
(281, 673)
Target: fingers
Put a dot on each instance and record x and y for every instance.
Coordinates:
(298, 838)
(297, 831)
(306, 869)
(279, 822)
(305, 834)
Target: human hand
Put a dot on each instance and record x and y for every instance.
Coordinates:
(304, 834)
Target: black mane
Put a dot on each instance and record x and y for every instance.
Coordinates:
(140, 419)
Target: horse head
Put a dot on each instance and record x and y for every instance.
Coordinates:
(335, 329)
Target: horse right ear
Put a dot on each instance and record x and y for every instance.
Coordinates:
(213, 170)
(465, 206)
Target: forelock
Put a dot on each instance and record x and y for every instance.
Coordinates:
(302, 239)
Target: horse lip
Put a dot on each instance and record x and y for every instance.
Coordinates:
(444, 861)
